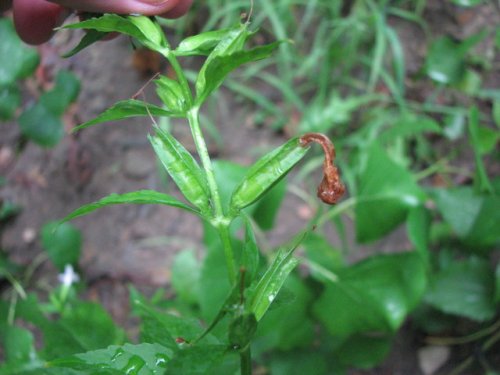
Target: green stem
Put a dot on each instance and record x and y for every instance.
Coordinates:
(246, 361)
(219, 220)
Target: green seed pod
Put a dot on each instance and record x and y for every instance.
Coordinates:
(183, 169)
(270, 169)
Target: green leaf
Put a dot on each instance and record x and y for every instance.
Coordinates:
(58, 341)
(323, 259)
(321, 117)
(185, 276)
(299, 362)
(467, 3)
(487, 139)
(481, 179)
(183, 169)
(214, 284)
(289, 325)
(125, 109)
(474, 218)
(163, 328)
(90, 37)
(228, 175)
(41, 126)
(215, 70)
(363, 351)
(19, 345)
(418, 229)
(171, 94)
(466, 288)
(251, 254)
(410, 125)
(201, 44)
(152, 31)
(41, 123)
(17, 60)
(374, 295)
(63, 243)
(386, 193)
(196, 360)
(271, 282)
(141, 359)
(267, 207)
(241, 331)
(266, 172)
(454, 126)
(135, 197)
(10, 99)
(62, 95)
(91, 325)
(141, 28)
(445, 61)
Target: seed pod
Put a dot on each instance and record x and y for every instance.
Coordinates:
(183, 169)
(270, 169)
(331, 189)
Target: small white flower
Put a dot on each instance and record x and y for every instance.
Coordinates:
(69, 276)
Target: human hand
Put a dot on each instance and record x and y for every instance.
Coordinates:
(35, 20)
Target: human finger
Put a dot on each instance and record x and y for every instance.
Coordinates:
(146, 7)
(35, 20)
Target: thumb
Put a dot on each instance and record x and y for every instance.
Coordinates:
(36, 19)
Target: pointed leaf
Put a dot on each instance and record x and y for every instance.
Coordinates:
(142, 358)
(374, 295)
(266, 172)
(19, 345)
(17, 60)
(10, 99)
(196, 360)
(136, 197)
(164, 328)
(90, 37)
(386, 193)
(141, 28)
(289, 325)
(183, 168)
(271, 282)
(201, 44)
(215, 70)
(466, 288)
(171, 94)
(185, 276)
(91, 325)
(474, 218)
(125, 109)
(41, 126)
(63, 243)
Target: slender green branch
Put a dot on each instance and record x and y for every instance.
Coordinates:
(464, 339)
(337, 210)
(246, 361)
(219, 220)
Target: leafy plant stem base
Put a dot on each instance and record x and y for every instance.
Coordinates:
(219, 221)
